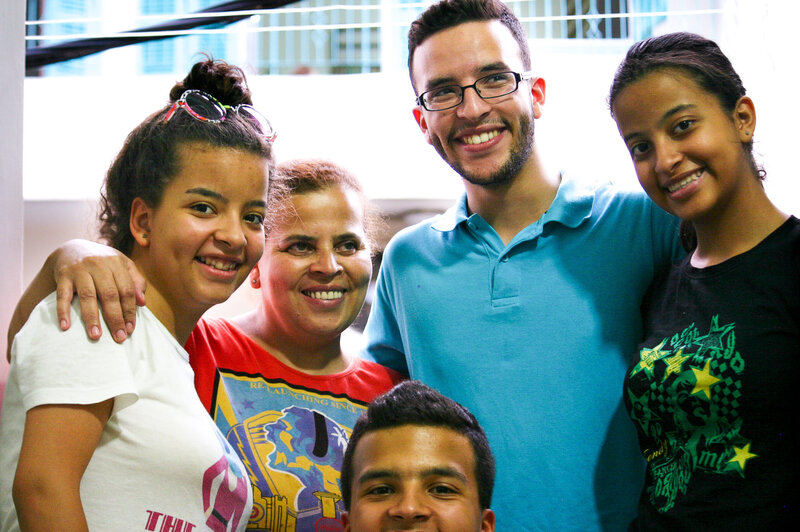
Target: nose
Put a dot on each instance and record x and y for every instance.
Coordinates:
(326, 263)
(410, 506)
(472, 105)
(230, 232)
(668, 157)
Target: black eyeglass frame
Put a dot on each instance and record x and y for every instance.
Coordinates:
(518, 77)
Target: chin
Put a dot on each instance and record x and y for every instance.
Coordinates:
(211, 298)
(326, 330)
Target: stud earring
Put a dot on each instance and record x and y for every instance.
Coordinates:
(144, 236)
(254, 281)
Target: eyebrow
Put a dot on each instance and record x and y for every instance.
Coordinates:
(308, 238)
(208, 193)
(666, 116)
(436, 471)
(297, 237)
(349, 236)
(450, 80)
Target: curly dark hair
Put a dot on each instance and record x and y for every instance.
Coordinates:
(150, 156)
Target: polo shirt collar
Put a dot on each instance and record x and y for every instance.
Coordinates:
(572, 205)
(449, 219)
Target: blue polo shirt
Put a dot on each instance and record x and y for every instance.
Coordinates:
(534, 337)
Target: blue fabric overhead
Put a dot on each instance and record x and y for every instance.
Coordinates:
(40, 56)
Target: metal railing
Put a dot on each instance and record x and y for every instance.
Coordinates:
(353, 36)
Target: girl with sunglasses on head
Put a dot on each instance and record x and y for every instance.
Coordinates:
(276, 380)
(710, 389)
(105, 436)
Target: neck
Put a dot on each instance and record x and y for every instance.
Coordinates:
(179, 324)
(513, 206)
(177, 319)
(312, 354)
(739, 227)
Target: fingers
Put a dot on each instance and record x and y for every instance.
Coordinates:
(84, 287)
(130, 287)
(101, 283)
(111, 299)
(64, 293)
(113, 289)
(139, 282)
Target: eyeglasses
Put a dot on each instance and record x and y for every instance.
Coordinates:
(487, 87)
(206, 108)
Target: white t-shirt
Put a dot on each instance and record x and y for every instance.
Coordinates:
(161, 463)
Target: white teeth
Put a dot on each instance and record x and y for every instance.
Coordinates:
(218, 264)
(483, 137)
(330, 294)
(691, 179)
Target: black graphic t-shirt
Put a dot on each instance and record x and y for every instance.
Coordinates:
(713, 392)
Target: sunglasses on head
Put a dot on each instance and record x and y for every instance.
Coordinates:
(204, 107)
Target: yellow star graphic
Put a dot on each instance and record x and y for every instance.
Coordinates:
(648, 358)
(674, 363)
(743, 454)
(704, 380)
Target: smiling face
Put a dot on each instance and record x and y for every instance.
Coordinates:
(415, 478)
(687, 150)
(488, 142)
(199, 244)
(316, 266)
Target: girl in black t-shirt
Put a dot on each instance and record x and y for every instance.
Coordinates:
(710, 390)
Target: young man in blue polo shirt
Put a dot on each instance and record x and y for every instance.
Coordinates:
(521, 301)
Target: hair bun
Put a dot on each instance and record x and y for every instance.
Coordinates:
(224, 81)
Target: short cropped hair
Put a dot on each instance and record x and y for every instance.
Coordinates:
(449, 13)
(413, 403)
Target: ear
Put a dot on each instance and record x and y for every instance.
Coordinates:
(487, 521)
(423, 124)
(255, 277)
(537, 92)
(345, 517)
(141, 217)
(744, 116)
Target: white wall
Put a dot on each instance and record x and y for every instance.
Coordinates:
(365, 122)
(12, 67)
(73, 127)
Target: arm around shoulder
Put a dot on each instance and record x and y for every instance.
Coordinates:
(43, 284)
(95, 272)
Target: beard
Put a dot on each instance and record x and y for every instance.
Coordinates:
(520, 153)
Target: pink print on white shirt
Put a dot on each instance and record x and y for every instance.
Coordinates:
(225, 495)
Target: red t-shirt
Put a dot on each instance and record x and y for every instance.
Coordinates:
(290, 428)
